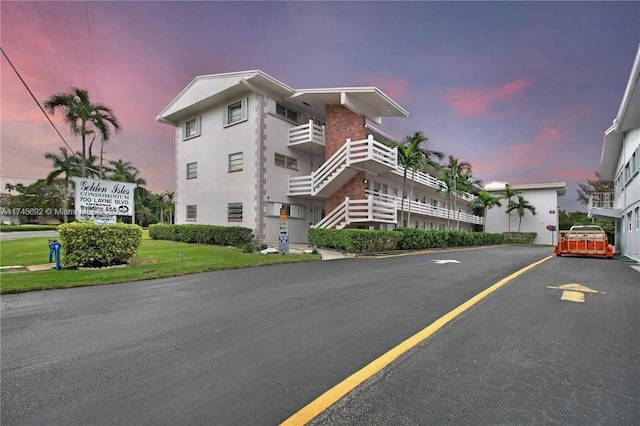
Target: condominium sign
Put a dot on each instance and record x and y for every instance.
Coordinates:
(103, 200)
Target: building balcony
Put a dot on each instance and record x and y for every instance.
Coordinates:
(427, 209)
(307, 137)
(602, 206)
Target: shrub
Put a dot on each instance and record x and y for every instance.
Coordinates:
(415, 239)
(354, 240)
(88, 244)
(203, 234)
(519, 237)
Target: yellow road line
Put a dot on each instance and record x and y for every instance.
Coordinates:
(333, 395)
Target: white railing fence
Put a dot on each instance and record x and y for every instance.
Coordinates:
(427, 209)
(602, 200)
(309, 132)
(359, 211)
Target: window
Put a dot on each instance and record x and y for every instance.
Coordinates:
(191, 128)
(234, 212)
(294, 211)
(630, 227)
(192, 213)
(192, 170)
(286, 162)
(287, 112)
(236, 112)
(235, 162)
(638, 219)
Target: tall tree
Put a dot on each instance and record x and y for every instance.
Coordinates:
(66, 165)
(508, 195)
(593, 185)
(124, 171)
(412, 157)
(170, 197)
(457, 177)
(521, 206)
(485, 201)
(83, 117)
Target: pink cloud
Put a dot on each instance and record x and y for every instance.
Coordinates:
(470, 102)
(553, 135)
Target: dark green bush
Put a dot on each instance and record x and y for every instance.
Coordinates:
(203, 234)
(415, 239)
(88, 244)
(354, 240)
(519, 237)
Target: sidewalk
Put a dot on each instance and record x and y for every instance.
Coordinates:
(325, 253)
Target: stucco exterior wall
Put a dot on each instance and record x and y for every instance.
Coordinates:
(546, 203)
(214, 186)
(627, 197)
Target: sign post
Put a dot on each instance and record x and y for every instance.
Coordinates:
(283, 232)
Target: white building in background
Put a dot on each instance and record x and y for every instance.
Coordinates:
(248, 145)
(620, 163)
(542, 196)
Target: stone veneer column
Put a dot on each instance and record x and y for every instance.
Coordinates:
(260, 169)
(342, 123)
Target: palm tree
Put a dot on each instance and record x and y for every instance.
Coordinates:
(9, 187)
(521, 206)
(485, 201)
(457, 178)
(170, 197)
(83, 117)
(411, 156)
(124, 171)
(508, 194)
(63, 164)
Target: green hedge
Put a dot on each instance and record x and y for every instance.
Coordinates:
(354, 240)
(203, 234)
(519, 237)
(415, 239)
(88, 244)
(360, 240)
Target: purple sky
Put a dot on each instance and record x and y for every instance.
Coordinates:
(522, 90)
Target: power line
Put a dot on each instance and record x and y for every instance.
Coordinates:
(75, 45)
(93, 65)
(37, 45)
(53, 44)
(36, 101)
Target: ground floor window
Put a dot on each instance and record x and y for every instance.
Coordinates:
(294, 211)
(192, 213)
(234, 212)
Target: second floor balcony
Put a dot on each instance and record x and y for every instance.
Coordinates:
(307, 137)
(602, 206)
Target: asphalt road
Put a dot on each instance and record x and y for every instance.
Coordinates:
(253, 346)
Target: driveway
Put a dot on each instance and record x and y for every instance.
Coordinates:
(254, 346)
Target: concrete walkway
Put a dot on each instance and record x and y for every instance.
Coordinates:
(325, 253)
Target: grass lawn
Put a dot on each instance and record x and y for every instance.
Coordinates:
(155, 259)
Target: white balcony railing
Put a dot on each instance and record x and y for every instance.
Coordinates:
(365, 154)
(431, 181)
(369, 210)
(306, 133)
(427, 209)
(602, 200)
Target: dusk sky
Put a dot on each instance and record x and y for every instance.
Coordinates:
(522, 90)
